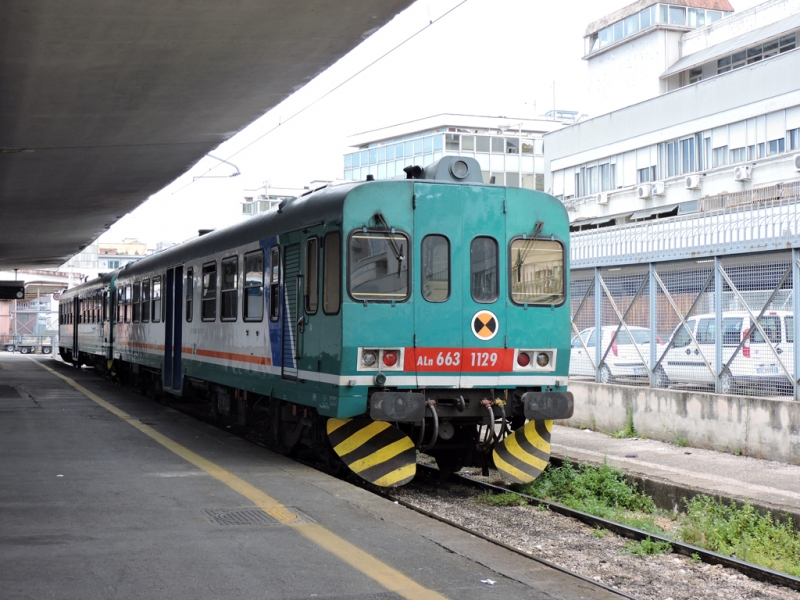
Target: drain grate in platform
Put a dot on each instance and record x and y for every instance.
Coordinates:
(240, 516)
(250, 516)
(7, 391)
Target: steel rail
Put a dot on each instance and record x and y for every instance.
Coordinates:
(707, 556)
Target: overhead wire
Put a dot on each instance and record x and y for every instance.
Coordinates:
(333, 89)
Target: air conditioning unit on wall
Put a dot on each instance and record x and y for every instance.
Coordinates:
(644, 191)
(659, 189)
(692, 182)
(602, 198)
(742, 173)
(797, 162)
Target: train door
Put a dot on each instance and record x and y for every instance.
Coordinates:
(173, 330)
(483, 271)
(76, 314)
(292, 297)
(438, 287)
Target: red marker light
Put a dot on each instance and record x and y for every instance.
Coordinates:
(523, 359)
(390, 358)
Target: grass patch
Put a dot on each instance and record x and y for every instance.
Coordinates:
(504, 499)
(741, 531)
(647, 547)
(629, 431)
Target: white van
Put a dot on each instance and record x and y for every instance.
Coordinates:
(755, 366)
(623, 361)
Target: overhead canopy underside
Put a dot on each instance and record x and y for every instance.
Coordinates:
(104, 102)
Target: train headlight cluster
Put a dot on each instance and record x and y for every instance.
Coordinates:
(373, 359)
(369, 358)
(459, 169)
(535, 360)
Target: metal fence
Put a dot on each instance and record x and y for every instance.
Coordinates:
(724, 324)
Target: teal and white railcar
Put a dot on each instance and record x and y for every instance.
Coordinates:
(372, 318)
(84, 322)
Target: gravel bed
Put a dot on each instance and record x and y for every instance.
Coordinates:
(595, 554)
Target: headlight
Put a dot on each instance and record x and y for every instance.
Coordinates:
(369, 358)
(459, 169)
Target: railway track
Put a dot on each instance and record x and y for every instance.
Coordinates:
(706, 556)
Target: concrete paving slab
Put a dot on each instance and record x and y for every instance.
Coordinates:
(91, 507)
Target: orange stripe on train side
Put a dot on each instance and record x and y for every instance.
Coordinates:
(259, 360)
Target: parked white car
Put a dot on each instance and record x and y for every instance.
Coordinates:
(623, 361)
(756, 364)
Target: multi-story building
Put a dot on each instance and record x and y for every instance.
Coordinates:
(266, 197)
(509, 150)
(718, 126)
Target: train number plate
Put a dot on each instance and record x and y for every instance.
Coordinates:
(459, 359)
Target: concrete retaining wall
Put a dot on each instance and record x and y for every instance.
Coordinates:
(758, 427)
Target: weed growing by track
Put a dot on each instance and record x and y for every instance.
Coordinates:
(708, 523)
(743, 532)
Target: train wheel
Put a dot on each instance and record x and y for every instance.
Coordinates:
(524, 454)
(374, 450)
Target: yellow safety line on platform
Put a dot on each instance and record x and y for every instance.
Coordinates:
(357, 558)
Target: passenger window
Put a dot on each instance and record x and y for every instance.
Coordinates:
(537, 271)
(146, 301)
(682, 337)
(731, 331)
(209, 298)
(156, 312)
(230, 288)
(120, 303)
(378, 270)
(705, 331)
(332, 274)
(137, 298)
(311, 292)
(189, 293)
(789, 321)
(254, 286)
(590, 343)
(105, 306)
(435, 268)
(772, 327)
(128, 303)
(274, 284)
(483, 269)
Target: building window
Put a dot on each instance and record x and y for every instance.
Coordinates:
(229, 289)
(156, 299)
(208, 299)
(146, 301)
(311, 286)
(332, 274)
(253, 308)
(720, 157)
(677, 15)
(435, 275)
(608, 176)
(378, 269)
(695, 75)
(537, 271)
(687, 155)
(484, 286)
(794, 139)
(738, 155)
(451, 142)
(776, 147)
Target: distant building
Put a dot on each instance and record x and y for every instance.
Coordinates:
(715, 126)
(509, 151)
(266, 197)
(127, 247)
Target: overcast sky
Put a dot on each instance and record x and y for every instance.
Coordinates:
(514, 58)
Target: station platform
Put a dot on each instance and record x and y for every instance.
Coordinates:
(676, 472)
(105, 494)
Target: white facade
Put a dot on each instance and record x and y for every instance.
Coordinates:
(266, 198)
(734, 130)
(509, 150)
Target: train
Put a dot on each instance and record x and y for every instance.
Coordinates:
(362, 323)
